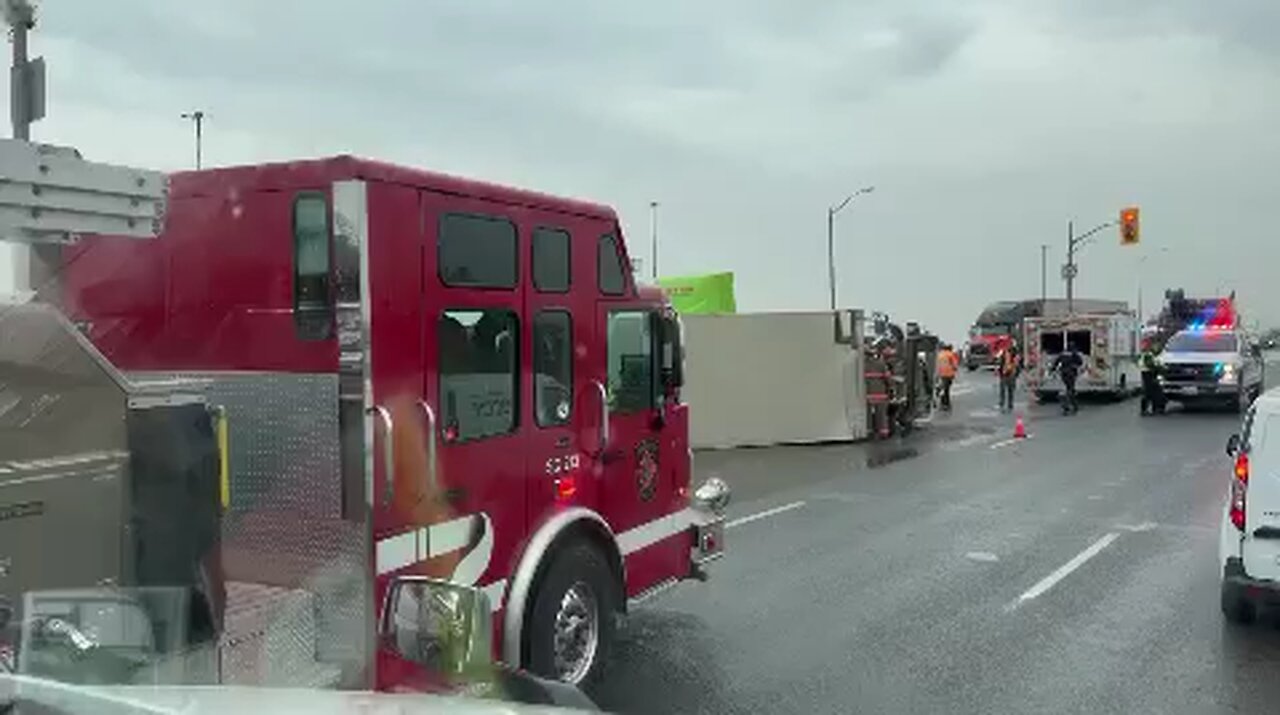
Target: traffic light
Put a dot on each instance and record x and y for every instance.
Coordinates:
(1129, 226)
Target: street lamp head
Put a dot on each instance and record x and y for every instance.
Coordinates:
(866, 189)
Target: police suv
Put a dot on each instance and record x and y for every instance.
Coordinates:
(1211, 365)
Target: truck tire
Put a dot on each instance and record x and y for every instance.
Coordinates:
(573, 619)
(1235, 607)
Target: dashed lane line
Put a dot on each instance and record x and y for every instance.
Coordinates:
(1063, 571)
(764, 514)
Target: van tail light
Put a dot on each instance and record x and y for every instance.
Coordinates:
(1239, 488)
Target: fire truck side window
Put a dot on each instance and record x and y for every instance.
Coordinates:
(552, 367)
(312, 312)
(609, 266)
(630, 362)
(478, 373)
(551, 273)
(477, 251)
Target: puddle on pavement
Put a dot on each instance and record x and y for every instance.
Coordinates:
(883, 455)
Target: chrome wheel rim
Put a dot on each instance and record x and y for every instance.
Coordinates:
(577, 633)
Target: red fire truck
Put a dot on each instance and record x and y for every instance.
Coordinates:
(414, 375)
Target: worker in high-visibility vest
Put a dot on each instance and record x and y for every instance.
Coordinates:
(1007, 368)
(948, 364)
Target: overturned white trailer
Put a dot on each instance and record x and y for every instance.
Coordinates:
(755, 379)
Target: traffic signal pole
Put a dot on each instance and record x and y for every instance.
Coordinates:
(1070, 270)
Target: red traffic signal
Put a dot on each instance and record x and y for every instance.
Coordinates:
(1129, 232)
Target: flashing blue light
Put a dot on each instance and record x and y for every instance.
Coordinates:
(1217, 369)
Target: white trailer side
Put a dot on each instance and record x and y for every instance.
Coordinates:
(755, 379)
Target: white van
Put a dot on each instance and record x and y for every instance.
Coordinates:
(1249, 545)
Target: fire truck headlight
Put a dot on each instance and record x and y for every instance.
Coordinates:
(712, 496)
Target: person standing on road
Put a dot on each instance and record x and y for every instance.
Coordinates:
(948, 364)
(1007, 365)
(1152, 394)
(1068, 365)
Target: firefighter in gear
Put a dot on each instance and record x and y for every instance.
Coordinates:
(1007, 364)
(1153, 401)
(1068, 365)
(947, 365)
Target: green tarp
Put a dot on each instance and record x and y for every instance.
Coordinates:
(711, 293)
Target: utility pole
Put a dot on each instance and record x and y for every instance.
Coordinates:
(1044, 273)
(1069, 273)
(197, 118)
(653, 240)
(26, 77)
(32, 265)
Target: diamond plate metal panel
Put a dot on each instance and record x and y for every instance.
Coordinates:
(284, 532)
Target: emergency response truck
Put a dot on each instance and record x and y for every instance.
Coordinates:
(328, 383)
(1108, 343)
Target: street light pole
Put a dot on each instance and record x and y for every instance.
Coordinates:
(197, 118)
(831, 240)
(653, 247)
(1044, 273)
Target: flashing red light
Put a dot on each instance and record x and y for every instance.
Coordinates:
(566, 487)
(1239, 491)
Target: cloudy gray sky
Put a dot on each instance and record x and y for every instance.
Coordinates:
(985, 125)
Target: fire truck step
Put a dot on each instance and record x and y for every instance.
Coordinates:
(270, 639)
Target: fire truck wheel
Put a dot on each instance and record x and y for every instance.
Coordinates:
(571, 630)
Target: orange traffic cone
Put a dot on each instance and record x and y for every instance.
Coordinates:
(1019, 429)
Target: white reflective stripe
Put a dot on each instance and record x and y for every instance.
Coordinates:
(396, 552)
(449, 536)
(650, 533)
(495, 591)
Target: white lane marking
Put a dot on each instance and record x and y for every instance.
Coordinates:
(985, 412)
(1011, 440)
(1095, 497)
(1063, 571)
(958, 390)
(983, 556)
(968, 441)
(764, 514)
(1137, 528)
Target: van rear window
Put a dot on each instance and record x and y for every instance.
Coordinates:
(477, 251)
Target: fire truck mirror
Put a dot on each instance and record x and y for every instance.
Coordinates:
(445, 627)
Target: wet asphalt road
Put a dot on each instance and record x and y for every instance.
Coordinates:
(920, 577)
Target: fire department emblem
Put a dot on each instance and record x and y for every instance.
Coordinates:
(647, 469)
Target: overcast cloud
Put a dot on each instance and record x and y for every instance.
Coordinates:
(984, 125)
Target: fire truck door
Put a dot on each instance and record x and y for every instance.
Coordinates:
(472, 321)
(637, 488)
(559, 348)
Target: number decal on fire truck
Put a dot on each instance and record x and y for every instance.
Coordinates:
(562, 464)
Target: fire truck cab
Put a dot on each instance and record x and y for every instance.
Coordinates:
(422, 378)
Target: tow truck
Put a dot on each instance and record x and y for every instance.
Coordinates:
(326, 401)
